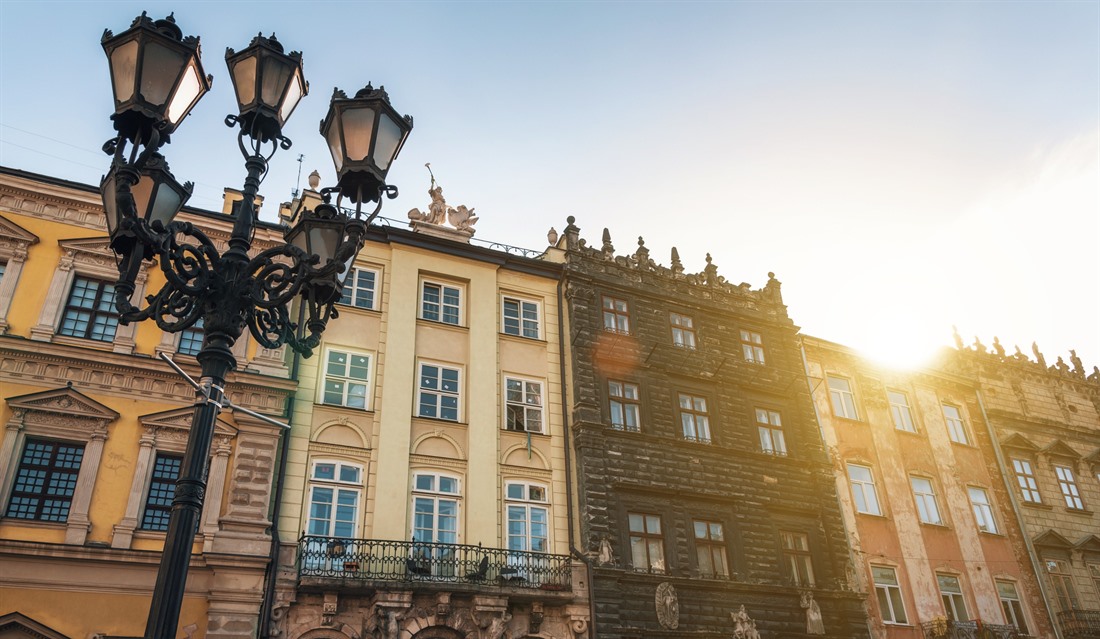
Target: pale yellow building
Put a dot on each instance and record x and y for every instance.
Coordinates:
(95, 427)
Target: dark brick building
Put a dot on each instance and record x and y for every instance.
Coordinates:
(702, 479)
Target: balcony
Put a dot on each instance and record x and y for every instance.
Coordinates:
(1080, 624)
(363, 562)
(946, 629)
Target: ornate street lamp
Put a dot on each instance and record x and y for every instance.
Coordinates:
(157, 78)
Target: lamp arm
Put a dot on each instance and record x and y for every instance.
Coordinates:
(274, 282)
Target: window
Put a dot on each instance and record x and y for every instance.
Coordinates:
(683, 331)
(1025, 478)
(45, 481)
(647, 543)
(983, 511)
(752, 346)
(162, 488)
(90, 312)
(1011, 605)
(528, 517)
(955, 428)
(435, 519)
(359, 288)
(616, 315)
(770, 428)
(694, 419)
(863, 490)
(900, 411)
(710, 549)
(191, 339)
(844, 402)
(798, 567)
(438, 392)
(1062, 580)
(334, 498)
(951, 592)
(925, 497)
(1068, 486)
(441, 303)
(625, 410)
(523, 405)
(347, 378)
(1094, 572)
(888, 592)
(521, 318)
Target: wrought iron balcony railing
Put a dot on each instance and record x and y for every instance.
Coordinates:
(414, 561)
(1080, 624)
(969, 630)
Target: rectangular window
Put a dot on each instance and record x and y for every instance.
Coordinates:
(1025, 479)
(162, 488)
(439, 392)
(710, 549)
(1062, 580)
(694, 418)
(359, 288)
(752, 347)
(616, 315)
(90, 312)
(951, 593)
(770, 428)
(888, 593)
(347, 378)
(523, 405)
(683, 331)
(863, 489)
(45, 481)
(956, 430)
(191, 339)
(435, 521)
(983, 510)
(900, 411)
(1068, 486)
(925, 497)
(528, 517)
(647, 542)
(335, 495)
(521, 318)
(844, 402)
(798, 566)
(1012, 606)
(625, 407)
(441, 303)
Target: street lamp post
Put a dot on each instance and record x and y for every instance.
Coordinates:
(157, 78)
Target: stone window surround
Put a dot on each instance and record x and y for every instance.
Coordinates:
(724, 545)
(167, 432)
(67, 415)
(89, 257)
(14, 244)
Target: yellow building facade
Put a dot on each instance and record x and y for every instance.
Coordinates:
(94, 428)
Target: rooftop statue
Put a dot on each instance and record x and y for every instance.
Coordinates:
(461, 219)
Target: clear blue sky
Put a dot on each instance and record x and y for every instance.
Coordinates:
(901, 166)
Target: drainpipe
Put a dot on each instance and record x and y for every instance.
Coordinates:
(568, 461)
(1035, 565)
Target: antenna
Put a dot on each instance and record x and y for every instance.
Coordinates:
(297, 186)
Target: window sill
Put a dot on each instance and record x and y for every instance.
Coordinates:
(440, 420)
(910, 433)
(522, 338)
(991, 534)
(1036, 504)
(874, 516)
(441, 324)
(623, 429)
(615, 331)
(768, 453)
(84, 342)
(343, 407)
(848, 420)
(353, 307)
(1079, 511)
(526, 432)
(35, 523)
(932, 525)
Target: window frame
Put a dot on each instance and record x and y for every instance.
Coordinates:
(110, 315)
(957, 599)
(526, 407)
(1061, 580)
(711, 547)
(616, 314)
(1026, 480)
(436, 494)
(922, 499)
(647, 538)
(885, 595)
(1015, 615)
(45, 491)
(521, 321)
(439, 392)
(897, 414)
(1068, 487)
(188, 336)
(165, 494)
(700, 420)
(862, 492)
(793, 558)
(345, 379)
(528, 504)
(683, 330)
(459, 308)
(752, 347)
(337, 485)
(956, 426)
(844, 394)
(983, 510)
(624, 404)
(352, 282)
(769, 429)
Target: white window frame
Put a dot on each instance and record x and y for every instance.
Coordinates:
(337, 484)
(983, 509)
(773, 441)
(952, 600)
(862, 488)
(900, 411)
(1014, 614)
(522, 322)
(928, 508)
(796, 558)
(353, 290)
(888, 592)
(699, 419)
(1067, 484)
(459, 309)
(627, 405)
(528, 504)
(956, 425)
(439, 393)
(752, 347)
(435, 494)
(618, 309)
(843, 400)
(683, 330)
(525, 405)
(1026, 480)
(345, 379)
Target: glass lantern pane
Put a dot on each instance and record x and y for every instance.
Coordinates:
(244, 81)
(334, 145)
(186, 95)
(324, 240)
(389, 135)
(273, 79)
(160, 69)
(166, 203)
(143, 194)
(123, 68)
(293, 97)
(358, 125)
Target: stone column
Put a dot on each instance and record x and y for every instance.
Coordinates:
(214, 488)
(55, 297)
(124, 530)
(78, 523)
(13, 432)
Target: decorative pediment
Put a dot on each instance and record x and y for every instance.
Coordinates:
(1019, 442)
(1058, 448)
(63, 401)
(177, 423)
(1094, 458)
(19, 625)
(1051, 539)
(97, 246)
(14, 237)
(1088, 543)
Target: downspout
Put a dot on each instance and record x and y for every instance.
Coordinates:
(568, 461)
(1013, 499)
